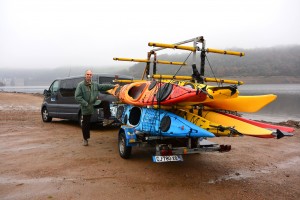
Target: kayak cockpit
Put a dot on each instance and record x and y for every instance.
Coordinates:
(136, 91)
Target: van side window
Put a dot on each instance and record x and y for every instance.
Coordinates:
(106, 80)
(65, 90)
(54, 87)
(76, 81)
(68, 87)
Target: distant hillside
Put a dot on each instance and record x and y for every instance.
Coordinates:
(279, 64)
(43, 77)
(275, 61)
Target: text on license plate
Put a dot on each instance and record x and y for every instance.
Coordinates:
(167, 158)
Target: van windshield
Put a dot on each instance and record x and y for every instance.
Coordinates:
(106, 80)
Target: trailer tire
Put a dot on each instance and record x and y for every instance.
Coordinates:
(124, 150)
(194, 143)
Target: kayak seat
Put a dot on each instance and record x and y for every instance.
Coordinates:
(136, 91)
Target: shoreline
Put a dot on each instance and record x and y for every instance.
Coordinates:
(246, 79)
(47, 160)
(266, 79)
(290, 123)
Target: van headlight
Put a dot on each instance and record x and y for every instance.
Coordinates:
(113, 111)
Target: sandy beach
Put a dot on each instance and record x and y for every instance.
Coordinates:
(47, 161)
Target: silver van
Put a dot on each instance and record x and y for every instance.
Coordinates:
(59, 100)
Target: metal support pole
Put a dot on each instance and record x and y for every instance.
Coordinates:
(197, 39)
(194, 53)
(147, 68)
(154, 63)
(202, 57)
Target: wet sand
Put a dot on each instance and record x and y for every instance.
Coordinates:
(47, 161)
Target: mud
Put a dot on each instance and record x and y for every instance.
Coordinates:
(47, 161)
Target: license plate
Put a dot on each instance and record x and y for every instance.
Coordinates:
(167, 158)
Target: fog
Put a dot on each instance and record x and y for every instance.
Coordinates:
(47, 34)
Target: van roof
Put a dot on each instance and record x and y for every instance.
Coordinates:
(98, 74)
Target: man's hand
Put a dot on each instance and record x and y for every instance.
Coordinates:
(117, 85)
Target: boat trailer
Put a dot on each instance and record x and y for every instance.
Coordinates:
(164, 148)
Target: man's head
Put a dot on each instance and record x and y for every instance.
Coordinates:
(88, 75)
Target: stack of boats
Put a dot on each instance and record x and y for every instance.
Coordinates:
(187, 106)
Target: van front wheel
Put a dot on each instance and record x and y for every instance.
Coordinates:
(45, 115)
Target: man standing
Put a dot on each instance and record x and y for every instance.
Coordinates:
(86, 94)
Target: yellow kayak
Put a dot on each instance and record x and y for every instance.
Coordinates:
(216, 129)
(242, 103)
(242, 127)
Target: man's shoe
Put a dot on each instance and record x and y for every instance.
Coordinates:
(107, 122)
(85, 143)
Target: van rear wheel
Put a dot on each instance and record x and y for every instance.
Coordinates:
(80, 119)
(45, 115)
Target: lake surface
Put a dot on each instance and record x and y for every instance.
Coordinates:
(285, 107)
(24, 89)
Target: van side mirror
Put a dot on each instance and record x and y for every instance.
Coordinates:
(46, 92)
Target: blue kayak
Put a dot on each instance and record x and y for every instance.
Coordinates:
(159, 122)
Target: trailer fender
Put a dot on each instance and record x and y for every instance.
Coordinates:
(131, 139)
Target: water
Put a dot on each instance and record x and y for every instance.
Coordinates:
(24, 89)
(270, 89)
(285, 107)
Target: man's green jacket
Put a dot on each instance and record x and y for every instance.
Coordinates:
(87, 95)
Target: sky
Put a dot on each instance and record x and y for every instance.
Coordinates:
(43, 34)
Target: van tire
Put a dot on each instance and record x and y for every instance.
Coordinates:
(45, 115)
(80, 119)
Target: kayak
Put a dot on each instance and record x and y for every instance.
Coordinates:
(159, 122)
(262, 124)
(242, 127)
(242, 103)
(216, 129)
(213, 92)
(146, 93)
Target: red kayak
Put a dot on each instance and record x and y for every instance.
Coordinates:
(261, 124)
(147, 93)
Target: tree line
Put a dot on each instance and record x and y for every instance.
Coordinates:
(273, 61)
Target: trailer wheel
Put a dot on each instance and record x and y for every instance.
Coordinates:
(124, 150)
(194, 143)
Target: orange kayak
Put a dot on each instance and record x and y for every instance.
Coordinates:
(147, 93)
